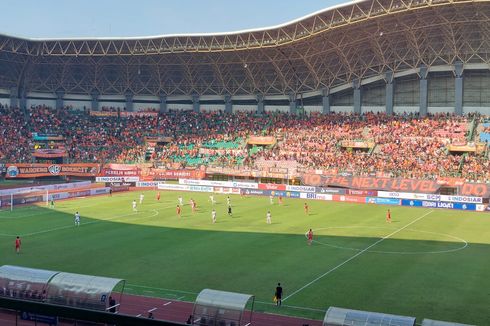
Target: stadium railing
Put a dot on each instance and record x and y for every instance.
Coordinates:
(70, 313)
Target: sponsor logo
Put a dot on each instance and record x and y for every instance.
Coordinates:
(311, 195)
(301, 188)
(271, 186)
(12, 171)
(446, 205)
(429, 204)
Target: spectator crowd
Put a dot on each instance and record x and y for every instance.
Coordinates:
(401, 145)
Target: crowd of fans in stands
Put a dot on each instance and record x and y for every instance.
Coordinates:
(404, 145)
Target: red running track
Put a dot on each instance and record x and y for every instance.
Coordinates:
(172, 310)
(179, 311)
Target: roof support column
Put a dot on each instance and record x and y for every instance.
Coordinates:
(293, 104)
(458, 91)
(356, 84)
(260, 104)
(423, 90)
(326, 101)
(129, 100)
(95, 100)
(389, 92)
(14, 97)
(163, 103)
(59, 99)
(23, 99)
(228, 104)
(195, 103)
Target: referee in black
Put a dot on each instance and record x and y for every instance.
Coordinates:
(278, 294)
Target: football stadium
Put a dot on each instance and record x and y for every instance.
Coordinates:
(331, 170)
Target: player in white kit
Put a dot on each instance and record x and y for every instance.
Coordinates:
(213, 216)
(77, 219)
(134, 206)
(269, 217)
(141, 198)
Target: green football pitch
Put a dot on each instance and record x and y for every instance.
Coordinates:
(426, 263)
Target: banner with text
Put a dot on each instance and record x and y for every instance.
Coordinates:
(392, 184)
(34, 170)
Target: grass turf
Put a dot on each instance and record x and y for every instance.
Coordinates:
(419, 265)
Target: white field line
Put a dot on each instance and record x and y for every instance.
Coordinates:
(156, 212)
(353, 257)
(132, 286)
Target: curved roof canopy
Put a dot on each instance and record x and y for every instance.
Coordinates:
(69, 289)
(340, 317)
(222, 306)
(325, 49)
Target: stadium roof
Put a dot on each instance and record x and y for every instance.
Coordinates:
(331, 47)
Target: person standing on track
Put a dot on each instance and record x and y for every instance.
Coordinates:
(18, 242)
(278, 294)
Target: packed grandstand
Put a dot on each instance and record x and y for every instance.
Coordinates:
(405, 145)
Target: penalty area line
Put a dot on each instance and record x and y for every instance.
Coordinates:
(354, 256)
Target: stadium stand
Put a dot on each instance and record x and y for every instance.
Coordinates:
(401, 145)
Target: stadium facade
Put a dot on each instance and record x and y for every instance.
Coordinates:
(375, 55)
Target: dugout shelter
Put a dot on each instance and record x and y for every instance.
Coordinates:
(346, 317)
(60, 288)
(220, 308)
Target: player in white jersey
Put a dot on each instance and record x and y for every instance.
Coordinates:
(269, 217)
(271, 199)
(134, 206)
(141, 198)
(211, 198)
(77, 219)
(213, 215)
(181, 201)
(228, 201)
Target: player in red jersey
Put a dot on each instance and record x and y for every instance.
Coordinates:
(388, 216)
(178, 210)
(310, 237)
(17, 244)
(158, 196)
(280, 200)
(306, 208)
